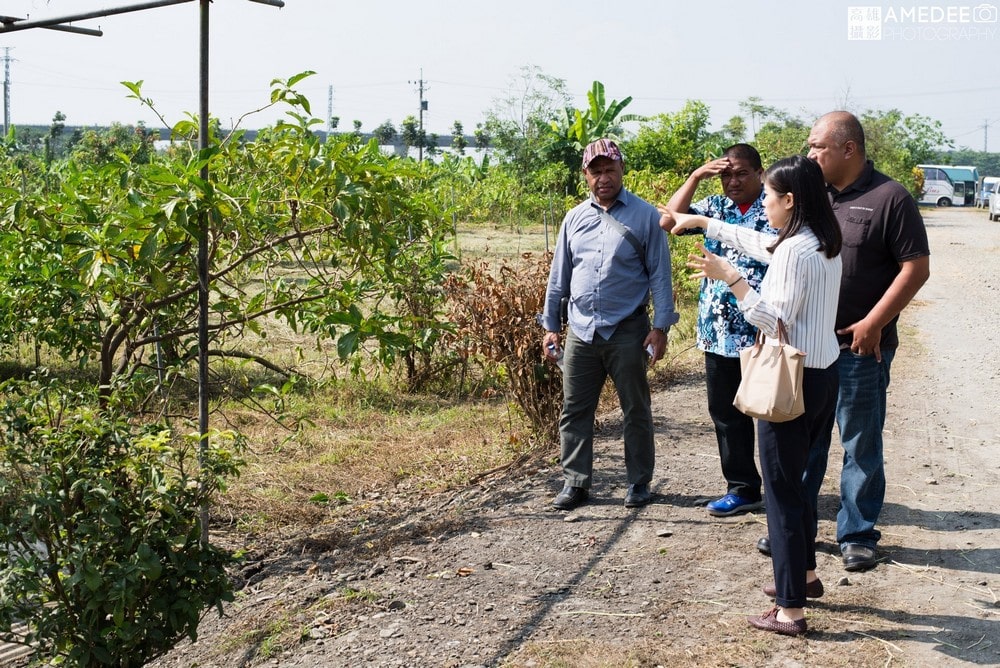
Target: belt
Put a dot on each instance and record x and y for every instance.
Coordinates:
(638, 312)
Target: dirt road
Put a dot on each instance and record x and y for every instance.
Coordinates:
(942, 541)
(492, 576)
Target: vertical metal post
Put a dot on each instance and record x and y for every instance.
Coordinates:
(203, 265)
(423, 105)
(6, 90)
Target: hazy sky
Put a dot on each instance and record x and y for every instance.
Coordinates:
(807, 57)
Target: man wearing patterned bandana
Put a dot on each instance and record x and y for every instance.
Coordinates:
(722, 329)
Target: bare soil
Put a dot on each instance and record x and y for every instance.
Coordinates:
(491, 576)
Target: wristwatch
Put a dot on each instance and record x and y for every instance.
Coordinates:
(664, 330)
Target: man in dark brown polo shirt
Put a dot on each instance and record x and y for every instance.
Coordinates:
(886, 260)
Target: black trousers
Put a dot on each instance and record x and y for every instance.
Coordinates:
(733, 429)
(784, 452)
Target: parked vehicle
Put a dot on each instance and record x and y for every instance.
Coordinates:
(987, 188)
(995, 204)
(939, 189)
(964, 180)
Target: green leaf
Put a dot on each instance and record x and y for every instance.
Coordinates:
(347, 345)
(299, 77)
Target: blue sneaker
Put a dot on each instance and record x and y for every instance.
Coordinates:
(731, 504)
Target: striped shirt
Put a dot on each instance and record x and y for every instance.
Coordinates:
(802, 287)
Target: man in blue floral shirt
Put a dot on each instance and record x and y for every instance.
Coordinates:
(722, 329)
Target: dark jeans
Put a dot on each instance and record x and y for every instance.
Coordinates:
(585, 368)
(791, 513)
(733, 429)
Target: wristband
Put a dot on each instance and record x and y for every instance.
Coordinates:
(729, 285)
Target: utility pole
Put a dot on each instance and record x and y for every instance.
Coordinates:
(329, 112)
(423, 108)
(986, 127)
(6, 90)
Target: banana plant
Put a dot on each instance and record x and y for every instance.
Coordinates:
(573, 129)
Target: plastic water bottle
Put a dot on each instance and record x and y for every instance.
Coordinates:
(558, 352)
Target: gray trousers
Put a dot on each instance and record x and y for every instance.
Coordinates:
(585, 368)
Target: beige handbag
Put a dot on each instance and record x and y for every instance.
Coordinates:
(771, 387)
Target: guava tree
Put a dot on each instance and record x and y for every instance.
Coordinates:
(335, 238)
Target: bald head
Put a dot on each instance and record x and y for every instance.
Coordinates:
(844, 127)
(837, 144)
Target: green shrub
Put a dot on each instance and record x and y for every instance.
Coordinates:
(100, 530)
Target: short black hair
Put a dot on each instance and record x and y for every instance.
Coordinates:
(811, 208)
(744, 152)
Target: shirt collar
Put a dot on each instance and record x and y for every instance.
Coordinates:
(728, 203)
(861, 183)
(622, 197)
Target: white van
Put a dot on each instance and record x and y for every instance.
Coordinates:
(995, 204)
(987, 188)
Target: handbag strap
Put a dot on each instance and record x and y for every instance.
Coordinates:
(629, 237)
(782, 335)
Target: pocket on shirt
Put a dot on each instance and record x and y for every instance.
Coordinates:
(855, 230)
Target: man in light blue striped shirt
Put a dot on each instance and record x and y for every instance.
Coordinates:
(610, 259)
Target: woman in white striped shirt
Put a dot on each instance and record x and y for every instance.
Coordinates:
(801, 287)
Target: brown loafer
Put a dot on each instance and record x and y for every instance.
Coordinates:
(769, 622)
(814, 589)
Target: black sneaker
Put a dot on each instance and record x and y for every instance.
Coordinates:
(638, 495)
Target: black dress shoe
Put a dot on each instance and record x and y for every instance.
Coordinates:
(637, 495)
(569, 498)
(764, 546)
(858, 557)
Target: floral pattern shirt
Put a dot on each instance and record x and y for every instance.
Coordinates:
(722, 329)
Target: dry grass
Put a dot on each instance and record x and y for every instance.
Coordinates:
(359, 441)
(355, 446)
(349, 450)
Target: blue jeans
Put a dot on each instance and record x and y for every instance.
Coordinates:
(860, 418)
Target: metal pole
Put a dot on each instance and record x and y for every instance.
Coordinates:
(420, 139)
(97, 13)
(203, 264)
(6, 90)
